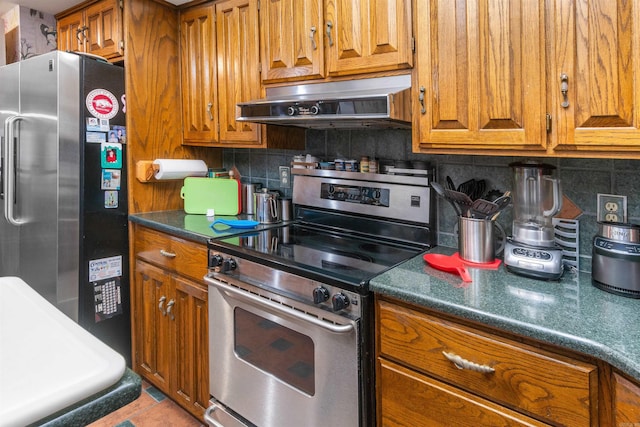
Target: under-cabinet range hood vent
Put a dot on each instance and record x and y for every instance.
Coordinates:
(382, 102)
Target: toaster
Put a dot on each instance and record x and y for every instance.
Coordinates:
(616, 259)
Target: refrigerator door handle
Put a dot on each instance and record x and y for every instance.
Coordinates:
(9, 170)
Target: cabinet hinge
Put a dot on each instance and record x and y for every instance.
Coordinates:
(121, 44)
(413, 44)
(258, 5)
(259, 68)
(121, 4)
(548, 120)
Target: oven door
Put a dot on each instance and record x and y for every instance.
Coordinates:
(277, 365)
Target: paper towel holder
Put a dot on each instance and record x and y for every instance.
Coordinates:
(145, 170)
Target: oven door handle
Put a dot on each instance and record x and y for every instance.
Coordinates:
(279, 309)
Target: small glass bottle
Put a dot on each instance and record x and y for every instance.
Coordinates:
(373, 165)
(364, 164)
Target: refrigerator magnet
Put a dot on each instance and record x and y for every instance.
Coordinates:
(111, 199)
(111, 155)
(121, 133)
(96, 137)
(93, 124)
(110, 179)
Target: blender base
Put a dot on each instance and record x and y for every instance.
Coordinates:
(536, 262)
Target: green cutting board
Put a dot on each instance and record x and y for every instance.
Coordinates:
(221, 194)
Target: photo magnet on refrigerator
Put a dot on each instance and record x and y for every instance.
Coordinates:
(110, 179)
(111, 155)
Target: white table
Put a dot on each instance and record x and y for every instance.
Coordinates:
(47, 361)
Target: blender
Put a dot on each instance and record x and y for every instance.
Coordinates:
(531, 250)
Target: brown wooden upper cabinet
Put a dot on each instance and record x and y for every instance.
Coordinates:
(480, 75)
(596, 57)
(220, 60)
(219, 63)
(310, 39)
(96, 28)
(238, 39)
(528, 77)
(198, 72)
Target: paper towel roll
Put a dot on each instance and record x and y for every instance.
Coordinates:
(178, 168)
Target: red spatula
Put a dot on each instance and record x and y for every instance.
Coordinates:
(448, 263)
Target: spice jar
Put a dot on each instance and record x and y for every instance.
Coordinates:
(373, 165)
(364, 164)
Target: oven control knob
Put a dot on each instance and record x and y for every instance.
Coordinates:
(292, 111)
(215, 261)
(320, 295)
(340, 302)
(228, 265)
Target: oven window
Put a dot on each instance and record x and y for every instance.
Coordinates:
(280, 351)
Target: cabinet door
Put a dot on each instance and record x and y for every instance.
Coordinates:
(368, 35)
(70, 37)
(626, 405)
(597, 46)
(238, 67)
(104, 29)
(192, 335)
(292, 40)
(153, 335)
(198, 67)
(480, 76)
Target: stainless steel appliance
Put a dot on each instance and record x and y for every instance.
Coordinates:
(64, 199)
(615, 265)
(381, 102)
(531, 250)
(290, 311)
(267, 207)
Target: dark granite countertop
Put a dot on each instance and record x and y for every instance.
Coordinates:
(97, 406)
(191, 227)
(570, 313)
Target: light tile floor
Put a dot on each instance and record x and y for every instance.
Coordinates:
(151, 409)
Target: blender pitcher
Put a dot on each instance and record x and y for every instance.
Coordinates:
(537, 197)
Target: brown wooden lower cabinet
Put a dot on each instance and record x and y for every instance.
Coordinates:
(434, 371)
(170, 319)
(626, 406)
(412, 399)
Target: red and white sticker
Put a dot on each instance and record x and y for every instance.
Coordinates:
(102, 104)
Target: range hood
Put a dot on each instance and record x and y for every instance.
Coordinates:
(381, 102)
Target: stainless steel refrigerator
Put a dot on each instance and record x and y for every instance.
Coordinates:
(64, 188)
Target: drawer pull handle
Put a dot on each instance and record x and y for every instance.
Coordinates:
(167, 253)
(461, 363)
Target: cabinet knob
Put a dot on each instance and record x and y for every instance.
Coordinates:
(312, 35)
(329, 28)
(209, 105)
(170, 308)
(161, 305)
(564, 88)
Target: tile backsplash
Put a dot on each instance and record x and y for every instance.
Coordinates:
(581, 179)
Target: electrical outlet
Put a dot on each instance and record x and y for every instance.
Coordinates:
(612, 208)
(285, 177)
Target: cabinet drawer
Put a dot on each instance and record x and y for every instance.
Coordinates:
(171, 253)
(411, 399)
(546, 385)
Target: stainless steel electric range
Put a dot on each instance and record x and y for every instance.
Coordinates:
(290, 311)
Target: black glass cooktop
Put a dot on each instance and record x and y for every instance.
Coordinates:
(310, 252)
